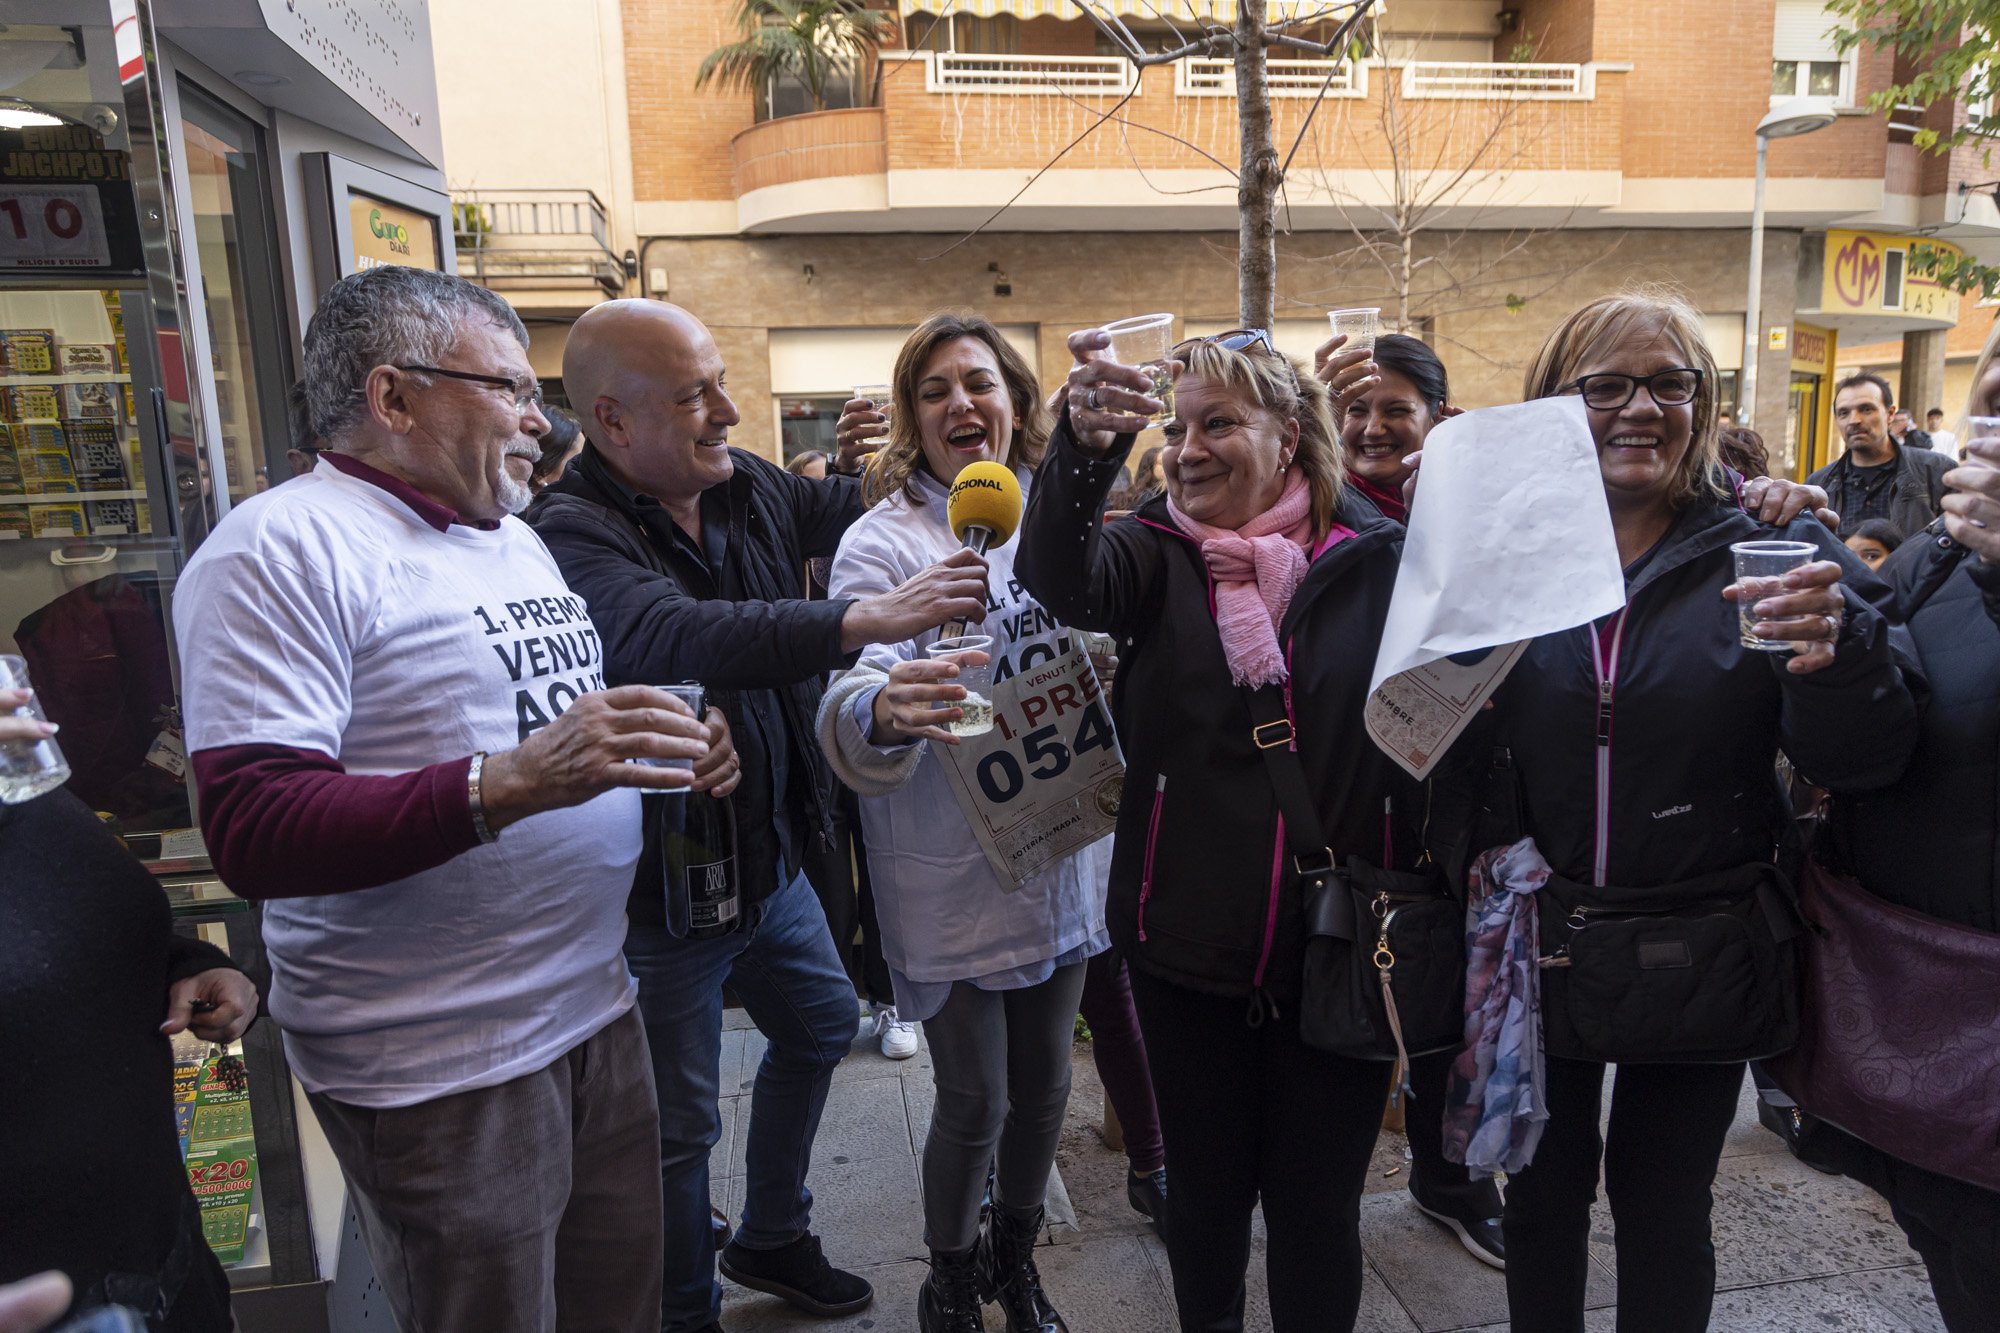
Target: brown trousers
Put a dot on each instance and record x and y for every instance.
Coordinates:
(533, 1205)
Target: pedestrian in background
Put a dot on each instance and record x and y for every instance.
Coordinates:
(992, 969)
(1942, 440)
(559, 446)
(1874, 541)
(1876, 477)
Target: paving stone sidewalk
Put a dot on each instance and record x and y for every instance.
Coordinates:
(1797, 1250)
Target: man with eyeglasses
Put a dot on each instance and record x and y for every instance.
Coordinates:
(405, 750)
(1877, 477)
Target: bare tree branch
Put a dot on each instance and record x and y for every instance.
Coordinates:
(1040, 172)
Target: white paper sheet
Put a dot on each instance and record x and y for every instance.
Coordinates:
(1509, 538)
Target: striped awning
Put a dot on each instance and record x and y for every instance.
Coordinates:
(1178, 11)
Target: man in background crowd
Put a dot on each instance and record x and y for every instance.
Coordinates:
(1877, 477)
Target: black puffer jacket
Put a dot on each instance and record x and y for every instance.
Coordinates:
(1693, 720)
(751, 636)
(1199, 895)
(1931, 842)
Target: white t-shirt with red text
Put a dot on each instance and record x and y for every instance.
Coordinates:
(327, 615)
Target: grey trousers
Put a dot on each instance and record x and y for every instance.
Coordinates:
(530, 1206)
(1002, 1070)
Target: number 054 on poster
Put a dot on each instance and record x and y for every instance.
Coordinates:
(1046, 779)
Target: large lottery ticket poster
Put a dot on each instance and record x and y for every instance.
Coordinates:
(1046, 780)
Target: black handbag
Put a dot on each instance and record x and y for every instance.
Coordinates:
(1385, 950)
(1703, 971)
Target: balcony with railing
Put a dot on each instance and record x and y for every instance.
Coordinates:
(511, 239)
(992, 120)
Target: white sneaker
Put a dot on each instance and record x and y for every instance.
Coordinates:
(899, 1039)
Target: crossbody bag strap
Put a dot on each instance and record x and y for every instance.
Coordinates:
(1328, 913)
(1277, 741)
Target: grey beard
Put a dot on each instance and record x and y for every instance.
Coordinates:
(512, 495)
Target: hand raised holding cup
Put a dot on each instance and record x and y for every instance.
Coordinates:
(1106, 397)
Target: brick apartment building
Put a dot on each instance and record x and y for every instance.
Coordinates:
(1537, 152)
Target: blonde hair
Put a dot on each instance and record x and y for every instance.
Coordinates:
(1591, 331)
(1285, 388)
(1973, 407)
(894, 466)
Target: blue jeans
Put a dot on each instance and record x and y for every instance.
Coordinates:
(784, 968)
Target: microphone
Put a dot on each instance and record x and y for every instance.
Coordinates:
(983, 508)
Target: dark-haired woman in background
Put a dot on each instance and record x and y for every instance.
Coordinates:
(1387, 424)
(563, 442)
(1874, 541)
(1378, 431)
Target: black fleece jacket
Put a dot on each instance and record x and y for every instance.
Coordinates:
(1200, 895)
(743, 628)
(1931, 842)
(1690, 724)
(87, 952)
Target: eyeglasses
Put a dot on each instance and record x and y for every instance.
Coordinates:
(1235, 340)
(1668, 388)
(523, 398)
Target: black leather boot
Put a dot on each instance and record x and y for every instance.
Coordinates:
(948, 1302)
(1007, 1273)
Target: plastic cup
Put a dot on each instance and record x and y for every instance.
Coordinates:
(1147, 341)
(29, 768)
(1979, 430)
(1759, 566)
(1358, 325)
(690, 693)
(882, 398)
(975, 675)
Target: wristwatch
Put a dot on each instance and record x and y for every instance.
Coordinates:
(475, 800)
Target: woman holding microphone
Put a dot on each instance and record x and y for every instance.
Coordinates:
(1641, 751)
(1258, 567)
(992, 970)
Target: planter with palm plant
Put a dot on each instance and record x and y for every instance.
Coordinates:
(818, 43)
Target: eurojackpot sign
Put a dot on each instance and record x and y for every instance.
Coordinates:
(386, 234)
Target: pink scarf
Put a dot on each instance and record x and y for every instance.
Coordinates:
(1257, 568)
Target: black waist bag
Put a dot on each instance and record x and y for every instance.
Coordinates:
(1385, 950)
(1704, 971)
(1372, 934)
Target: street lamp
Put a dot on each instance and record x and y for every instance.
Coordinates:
(1798, 115)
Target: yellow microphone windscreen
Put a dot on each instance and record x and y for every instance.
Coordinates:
(986, 495)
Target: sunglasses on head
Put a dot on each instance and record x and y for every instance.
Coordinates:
(1235, 340)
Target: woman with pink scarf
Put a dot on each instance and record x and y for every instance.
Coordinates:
(1258, 567)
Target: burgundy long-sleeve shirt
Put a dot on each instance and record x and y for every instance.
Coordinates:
(282, 822)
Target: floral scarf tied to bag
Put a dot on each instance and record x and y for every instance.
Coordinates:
(1496, 1102)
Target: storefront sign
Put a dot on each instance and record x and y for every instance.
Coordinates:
(65, 203)
(1877, 273)
(386, 234)
(1810, 350)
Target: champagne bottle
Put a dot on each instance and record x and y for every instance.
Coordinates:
(704, 881)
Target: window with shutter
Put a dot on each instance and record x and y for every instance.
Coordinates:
(1804, 62)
